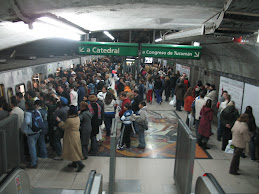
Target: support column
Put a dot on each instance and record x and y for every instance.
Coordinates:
(130, 36)
(154, 36)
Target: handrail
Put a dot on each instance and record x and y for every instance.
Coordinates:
(215, 183)
(89, 184)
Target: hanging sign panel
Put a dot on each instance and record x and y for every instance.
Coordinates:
(108, 48)
(171, 51)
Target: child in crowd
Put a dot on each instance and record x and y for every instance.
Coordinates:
(126, 128)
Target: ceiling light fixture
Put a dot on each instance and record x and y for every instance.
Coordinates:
(60, 24)
(158, 40)
(108, 34)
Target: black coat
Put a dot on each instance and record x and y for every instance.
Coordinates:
(135, 103)
(158, 85)
(229, 116)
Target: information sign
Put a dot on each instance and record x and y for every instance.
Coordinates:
(108, 48)
(170, 51)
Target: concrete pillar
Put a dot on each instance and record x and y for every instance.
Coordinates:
(154, 36)
(130, 36)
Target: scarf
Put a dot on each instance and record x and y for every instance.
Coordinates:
(92, 110)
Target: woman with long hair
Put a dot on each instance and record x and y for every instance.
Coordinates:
(241, 136)
(109, 112)
(205, 124)
(72, 149)
(188, 100)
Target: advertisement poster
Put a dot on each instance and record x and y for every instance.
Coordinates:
(183, 69)
(234, 88)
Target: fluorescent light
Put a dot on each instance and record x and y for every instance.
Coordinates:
(108, 34)
(196, 44)
(60, 24)
(46, 30)
(258, 36)
(158, 40)
(130, 59)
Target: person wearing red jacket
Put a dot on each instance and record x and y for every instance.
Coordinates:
(125, 99)
(205, 124)
(188, 100)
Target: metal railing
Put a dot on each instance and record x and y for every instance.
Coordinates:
(113, 144)
(184, 158)
(207, 184)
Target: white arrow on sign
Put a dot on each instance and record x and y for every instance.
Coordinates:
(81, 49)
(197, 54)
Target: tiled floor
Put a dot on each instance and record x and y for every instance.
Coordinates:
(149, 175)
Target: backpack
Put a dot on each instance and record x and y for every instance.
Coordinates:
(37, 121)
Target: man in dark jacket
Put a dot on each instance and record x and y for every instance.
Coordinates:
(120, 86)
(179, 93)
(136, 101)
(63, 92)
(81, 92)
(173, 80)
(228, 117)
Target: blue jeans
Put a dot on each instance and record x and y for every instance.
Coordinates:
(32, 141)
(158, 95)
(136, 127)
(42, 146)
(141, 138)
(108, 123)
(219, 131)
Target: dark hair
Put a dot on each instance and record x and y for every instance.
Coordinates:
(108, 98)
(42, 82)
(213, 86)
(208, 84)
(53, 99)
(31, 93)
(50, 76)
(224, 92)
(72, 110)
(249, 110)
(38, 103)
(14, 101)
(199, 83)
(208, 103)
(143, 103)
(29, 103)
(123, 94)
(243, 118)
(127, 106)
(136, 90)
(203, 93)
(105, 87)
(19, 95)
(189, 92)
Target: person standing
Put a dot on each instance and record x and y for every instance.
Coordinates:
(228, 117)
(252, 129)
(73, 96)
(32, 136)
(21, 101)
(96, 121)
(85, 127)
(179, 93)
(158, 88)
(150, 87)
(173, 80)
(109, 112)
(72, 149)
(188, 100)
(199, 103)
(241, 136)
(205, 124)
(168, 88)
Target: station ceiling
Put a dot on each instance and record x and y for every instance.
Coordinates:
(136, 19)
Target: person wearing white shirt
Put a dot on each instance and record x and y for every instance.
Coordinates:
(199, 103)
(73, 97)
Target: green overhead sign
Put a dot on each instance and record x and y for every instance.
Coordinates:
(108, 48)
(170, 51)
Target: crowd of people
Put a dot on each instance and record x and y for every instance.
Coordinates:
(75, 103)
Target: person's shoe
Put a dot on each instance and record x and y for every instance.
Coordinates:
(30, 166)
(140, 147)
(58, 158)
(206, 147)
(219, 139)
(80, 167)
(234, 173)
(160, 102)
(72, 165)
(243, 155)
